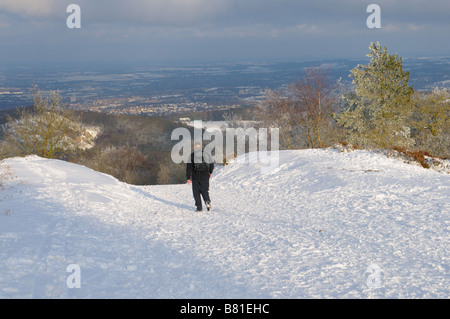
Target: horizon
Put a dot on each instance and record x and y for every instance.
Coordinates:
(207, 62)
(184, 83)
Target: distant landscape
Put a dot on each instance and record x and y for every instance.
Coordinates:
(135, 108)
(156, 90)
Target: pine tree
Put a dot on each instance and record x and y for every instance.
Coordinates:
(379, 108)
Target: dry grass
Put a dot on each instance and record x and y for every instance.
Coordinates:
(415, 155)
(5, 173)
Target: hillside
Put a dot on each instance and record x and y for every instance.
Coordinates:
(324, 224)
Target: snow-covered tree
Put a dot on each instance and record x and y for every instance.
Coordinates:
(379, 108)
(49, 129)
(431, 121)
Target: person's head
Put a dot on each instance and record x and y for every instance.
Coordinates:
(197, 146)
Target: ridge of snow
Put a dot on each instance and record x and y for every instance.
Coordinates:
(317, 227)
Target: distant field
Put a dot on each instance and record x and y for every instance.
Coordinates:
(211, 83)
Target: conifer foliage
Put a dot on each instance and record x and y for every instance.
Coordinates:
(381, 103)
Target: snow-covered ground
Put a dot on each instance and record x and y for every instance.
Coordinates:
(324, 225)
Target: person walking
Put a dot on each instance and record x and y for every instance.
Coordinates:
(198, 172)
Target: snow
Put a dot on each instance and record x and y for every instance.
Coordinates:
(325, 224)
(219, 125)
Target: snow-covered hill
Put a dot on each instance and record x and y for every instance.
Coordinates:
(324, 225)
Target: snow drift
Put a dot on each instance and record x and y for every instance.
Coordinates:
(325, 224)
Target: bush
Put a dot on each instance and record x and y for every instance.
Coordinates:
(49, 129)
(126, 163)
(414, 155)
(431, 122)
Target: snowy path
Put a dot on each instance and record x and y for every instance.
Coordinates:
(314, 229)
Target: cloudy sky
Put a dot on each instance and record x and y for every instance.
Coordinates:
(217, 30)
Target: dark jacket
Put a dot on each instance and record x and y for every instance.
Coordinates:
(192, 174)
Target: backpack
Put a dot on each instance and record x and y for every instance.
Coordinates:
(201, 167)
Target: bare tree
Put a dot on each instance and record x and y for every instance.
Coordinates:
(277, 111)
(314, 103)
(303, 113)
(233, 120)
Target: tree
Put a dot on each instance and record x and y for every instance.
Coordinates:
(278, 111)
(49, 129)
(303, 112)
(381, 103)
(314, 103)
(431, 121)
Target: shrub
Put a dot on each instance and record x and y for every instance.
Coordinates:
(126, 163)
(49, 129)
(414, 155)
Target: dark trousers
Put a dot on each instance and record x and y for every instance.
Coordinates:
(200, 188)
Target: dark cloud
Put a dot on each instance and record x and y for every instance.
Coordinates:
(219, 28)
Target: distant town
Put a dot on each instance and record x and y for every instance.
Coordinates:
(162, 90)
(171, 104)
